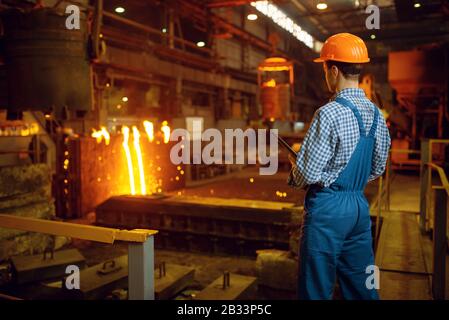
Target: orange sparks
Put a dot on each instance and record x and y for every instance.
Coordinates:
(136, 135)
(149, 129)
(125, 132)
(166, 131)
(100, 134)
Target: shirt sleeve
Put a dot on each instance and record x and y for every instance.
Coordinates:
(381, 147)
(316, 151)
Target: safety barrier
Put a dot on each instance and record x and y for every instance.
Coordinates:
(433, 213)
(140, 247)
(382, 201)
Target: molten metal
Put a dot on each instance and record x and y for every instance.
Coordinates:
(149, 129)
(100, 134)
(125, 132)
(166, 131)
(136, 135)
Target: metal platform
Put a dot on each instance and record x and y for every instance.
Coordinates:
(45, 266)
(230, 286)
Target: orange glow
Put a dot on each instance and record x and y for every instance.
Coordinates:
(275, 64)
(125, 132)
(275, 60)
(149, 129)
(277, 68)
(100, 134)
(136, 135)
(270, 83)
(166, 131)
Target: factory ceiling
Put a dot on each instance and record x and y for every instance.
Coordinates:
(403, 23)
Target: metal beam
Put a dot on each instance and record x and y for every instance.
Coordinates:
(234, 3)
(360, 10)
(439, 245)
(74, 230)
(141, 270)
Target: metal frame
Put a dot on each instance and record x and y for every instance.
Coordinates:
(140, 247)
(440, 212)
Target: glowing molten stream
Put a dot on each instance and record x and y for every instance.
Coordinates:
(136, 135)
(149, 129)
(100, 134)
(125, 132)
(166, 131)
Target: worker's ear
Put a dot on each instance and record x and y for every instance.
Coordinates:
(334, 71)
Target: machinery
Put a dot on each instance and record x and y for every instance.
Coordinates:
(419, 80)
(47, 65)
(275, 79)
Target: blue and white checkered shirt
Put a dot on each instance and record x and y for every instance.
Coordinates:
(331, 139)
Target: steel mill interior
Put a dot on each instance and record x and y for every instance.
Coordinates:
(144, 149)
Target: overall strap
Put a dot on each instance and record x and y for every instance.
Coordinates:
(372, 131)
(350, 105)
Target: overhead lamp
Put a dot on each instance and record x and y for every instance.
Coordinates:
(164, 30)
(321, 5)
(120, 10)
(284, 21)
(125, 99)
(252, 16)
(200, 44)
(373, 36)
(417, 5)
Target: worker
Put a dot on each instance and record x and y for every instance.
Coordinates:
(345, 147)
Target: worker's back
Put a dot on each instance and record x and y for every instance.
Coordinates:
(332, 138)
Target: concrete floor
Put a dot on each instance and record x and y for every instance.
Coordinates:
(404, 254)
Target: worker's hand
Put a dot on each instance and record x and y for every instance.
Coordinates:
(292, 159)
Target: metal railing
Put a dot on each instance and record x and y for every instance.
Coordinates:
(140, 247)
(433, 214)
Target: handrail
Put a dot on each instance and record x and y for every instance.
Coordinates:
(435, 209)
(408, 151)
(74, 230)
(140, 247)
(442, 174)
(439, 237)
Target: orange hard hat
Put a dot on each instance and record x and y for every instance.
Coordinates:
(344, 47)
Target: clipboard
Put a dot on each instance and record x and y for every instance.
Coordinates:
(286, 146)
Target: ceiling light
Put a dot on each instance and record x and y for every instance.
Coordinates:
(252, 16)
(373, 36)
(417, 5)
(321, 5)
(125, 99)
(164, 30)
(120, 10)
(285, 22)
(200, 44)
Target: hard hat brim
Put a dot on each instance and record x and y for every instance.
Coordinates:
(340, 60)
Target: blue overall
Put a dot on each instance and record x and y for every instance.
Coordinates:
(336, 236)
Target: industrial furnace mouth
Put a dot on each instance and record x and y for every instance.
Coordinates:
(139, 182)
